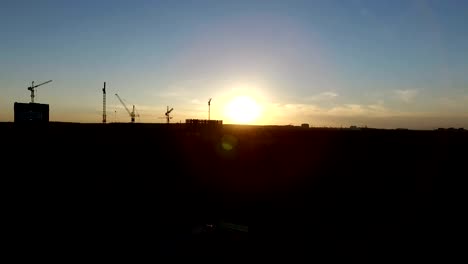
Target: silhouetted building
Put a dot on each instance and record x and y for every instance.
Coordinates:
(305, 125)
(31, 113)
(203, 124)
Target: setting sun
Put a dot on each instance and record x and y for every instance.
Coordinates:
(243, 110)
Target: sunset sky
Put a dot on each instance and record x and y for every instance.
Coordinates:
(385, 64)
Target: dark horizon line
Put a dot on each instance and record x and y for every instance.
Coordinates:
(253, 125)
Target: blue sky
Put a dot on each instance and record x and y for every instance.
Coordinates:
(328, 63)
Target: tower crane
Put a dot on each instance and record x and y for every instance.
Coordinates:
(209, 110)
(104, 114)
(32, 87)
(168, 117)
(132, 113)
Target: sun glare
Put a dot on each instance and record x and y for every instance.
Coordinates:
(243, 110)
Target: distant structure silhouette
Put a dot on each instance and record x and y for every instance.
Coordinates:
(200, 124)
(132, 113)
(104, 104)
(31, 113)
(168, 112)
(33, 87)
(209, 104)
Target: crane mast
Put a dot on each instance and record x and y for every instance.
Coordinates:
(209, 110)
(132, 114)
(104, 114)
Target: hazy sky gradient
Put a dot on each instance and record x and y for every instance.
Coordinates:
(328, 63)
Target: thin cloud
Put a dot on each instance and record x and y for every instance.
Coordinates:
(329, 94)
(347, 110)
(406, 96)
(373, 115)
(377, 109)
(325, 96)
(196, 101)
(454, 101)
(171, 94)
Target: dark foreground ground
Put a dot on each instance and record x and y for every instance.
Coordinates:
(118, 190)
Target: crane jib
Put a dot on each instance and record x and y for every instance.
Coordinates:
(132, 113)
(32, 87)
